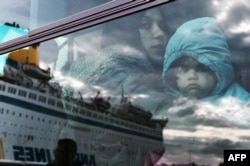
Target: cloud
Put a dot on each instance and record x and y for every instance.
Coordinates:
(204, 130)
(206, 143)
(217, 147)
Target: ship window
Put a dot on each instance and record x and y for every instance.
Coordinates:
(11, 90)
(94, 115)
(51, 102)
(121, 123)
(106, 119)
(82, 112)
(22, 93)
(59, 104)
(67, 106)
(2, 87)
(32, 96)
(100, 117)
(88, 114)
(117, 121)
(75, 109)
(42, 99)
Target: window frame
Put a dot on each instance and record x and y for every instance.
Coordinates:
(80, 21)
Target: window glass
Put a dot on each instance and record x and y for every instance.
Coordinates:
(56, 10)
(173, 80)
(30, 15)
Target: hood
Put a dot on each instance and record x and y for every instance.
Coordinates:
(203, 40)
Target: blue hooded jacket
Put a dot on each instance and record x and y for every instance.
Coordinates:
(203, 39)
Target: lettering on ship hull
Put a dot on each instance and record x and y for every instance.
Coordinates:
(31, 154)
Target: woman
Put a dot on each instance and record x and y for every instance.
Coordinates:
(131, 57)
(131, 61)
(145, 31)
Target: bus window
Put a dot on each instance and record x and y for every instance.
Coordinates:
(178, 71)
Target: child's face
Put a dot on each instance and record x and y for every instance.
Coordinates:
(195, 82)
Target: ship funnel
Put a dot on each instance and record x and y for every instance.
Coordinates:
(29, 56)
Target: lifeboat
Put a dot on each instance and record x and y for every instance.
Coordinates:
(102, 104)
(36, 72)
(29, 60)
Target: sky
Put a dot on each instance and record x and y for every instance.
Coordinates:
(199, 136)
(18, 12)
(207, 131)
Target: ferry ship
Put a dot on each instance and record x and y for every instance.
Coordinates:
(36, 111)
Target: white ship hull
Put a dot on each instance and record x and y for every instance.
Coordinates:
(32, 122)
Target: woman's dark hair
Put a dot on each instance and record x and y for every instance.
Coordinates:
(124, 30)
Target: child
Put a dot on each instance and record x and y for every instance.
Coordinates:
(197, 63)
(192, 79)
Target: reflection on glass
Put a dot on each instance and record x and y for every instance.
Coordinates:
(103, 88)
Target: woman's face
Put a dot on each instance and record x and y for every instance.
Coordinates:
(153, 36)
